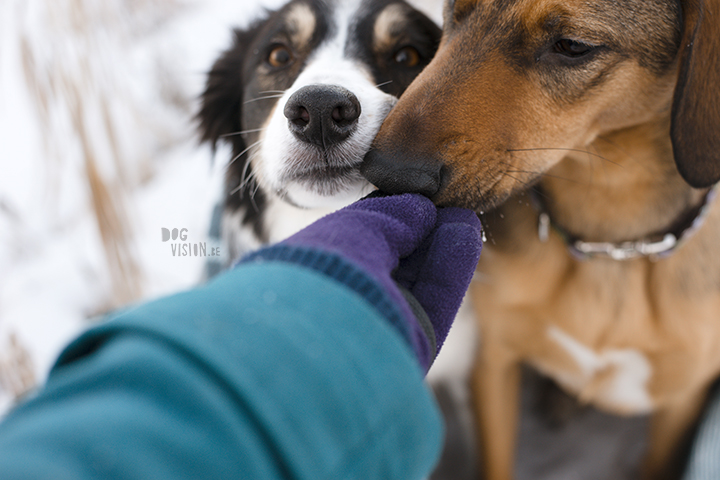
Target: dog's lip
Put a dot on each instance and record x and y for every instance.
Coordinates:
(324, 173)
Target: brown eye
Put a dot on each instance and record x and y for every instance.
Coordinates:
(407, 57)
(280, 56)
(572, 48)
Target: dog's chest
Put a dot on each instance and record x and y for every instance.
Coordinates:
(623, 336)
(283, 220)
(608, 338)
(613, 378)
(579, 339)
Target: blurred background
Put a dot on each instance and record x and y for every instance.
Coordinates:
(98, 153)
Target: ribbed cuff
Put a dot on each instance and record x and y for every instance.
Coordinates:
(343, 271)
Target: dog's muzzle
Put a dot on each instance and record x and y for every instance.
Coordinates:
(322, 115)
(393, 173)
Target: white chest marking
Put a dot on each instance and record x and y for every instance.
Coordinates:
(284, 220)
(613, 379)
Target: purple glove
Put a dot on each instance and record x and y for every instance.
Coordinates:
(386, 246)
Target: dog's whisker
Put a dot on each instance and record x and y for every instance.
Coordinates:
(261, 98)
(517, 179)
(243, 152)
(383, 84)
(527, 184)
(243, 187)
(243, 132)
(246, 167)
(592, 167)
(542, 174)
(547, 175)
(246, 178)
(252, 196)
(614, 145)
(236, 190)
(510, 168)
(625, 153)
(282, 92)
(563, 149)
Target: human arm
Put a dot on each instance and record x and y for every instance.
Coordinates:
(250, 399)
(278, 369)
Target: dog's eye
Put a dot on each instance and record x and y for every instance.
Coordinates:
(407, 57)
(280, 56)
(572, 48)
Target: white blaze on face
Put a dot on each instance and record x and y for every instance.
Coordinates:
(280, 150)
(615, 379)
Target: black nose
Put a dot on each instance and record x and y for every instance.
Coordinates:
(395, 172)
(322, 114)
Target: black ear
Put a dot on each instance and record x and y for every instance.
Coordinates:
(222, 100)
(695, 128)
(220, 118)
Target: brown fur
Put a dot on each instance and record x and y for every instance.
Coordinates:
(622, 143)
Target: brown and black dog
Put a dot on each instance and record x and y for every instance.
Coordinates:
(601, 119)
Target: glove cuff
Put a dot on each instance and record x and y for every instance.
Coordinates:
(356, 278)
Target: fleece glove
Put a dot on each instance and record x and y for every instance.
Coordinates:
(408, 259)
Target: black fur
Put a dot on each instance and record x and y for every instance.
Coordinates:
(220, 118)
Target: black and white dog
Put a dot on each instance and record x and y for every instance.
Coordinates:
(299, 96)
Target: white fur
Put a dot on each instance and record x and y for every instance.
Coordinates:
(285, 219)
(328, 65)
(625, 388)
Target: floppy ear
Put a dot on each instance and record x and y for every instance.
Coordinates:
(220, 119)
(222, 100)
(695, 128)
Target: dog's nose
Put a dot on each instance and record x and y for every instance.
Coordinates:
(322, 114)
(393, 172)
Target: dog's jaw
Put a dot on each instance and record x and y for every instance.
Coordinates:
(349, 190)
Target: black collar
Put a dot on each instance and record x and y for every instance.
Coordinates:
(654, 247)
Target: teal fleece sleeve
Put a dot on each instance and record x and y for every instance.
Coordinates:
(270, 371)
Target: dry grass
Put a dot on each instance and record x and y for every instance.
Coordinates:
(17, 373)
(77, 79)
(89, 68)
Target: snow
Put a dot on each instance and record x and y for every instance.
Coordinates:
(99, 152)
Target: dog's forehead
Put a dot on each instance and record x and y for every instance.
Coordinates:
(383, 19)
(300, 22)
(646, 30)
(379, 20)
(604, 13)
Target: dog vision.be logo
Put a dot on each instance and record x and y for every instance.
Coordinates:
(181, 248)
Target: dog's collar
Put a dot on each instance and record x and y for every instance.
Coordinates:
(654, 247)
